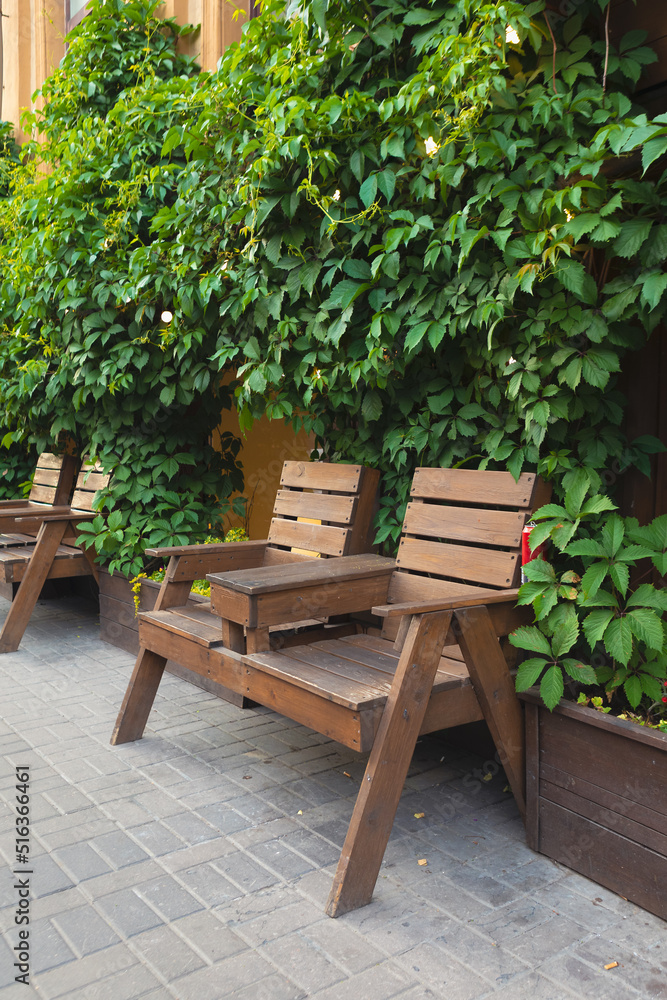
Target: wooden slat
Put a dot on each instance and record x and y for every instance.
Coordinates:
(337, 722)
(49, 461)
(42, 494)
(282, 557)
(622, 816)
(566, 838)
(351, 694)
(264, 579)
(322, 538)
(184, 625)
(319, 601)
(321, 476)
(473, 486)
(493, 567)
(83, 500)
(321, 506)
(46, 477)
(488, 527)
(199, 564)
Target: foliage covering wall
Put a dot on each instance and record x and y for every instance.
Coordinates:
(83, 354)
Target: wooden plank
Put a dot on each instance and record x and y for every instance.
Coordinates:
(14, 563)
(47, 460)
(638, 873)
(465, 524)
(454, 707)
(635, 775)
(332, 476)
(494, 687)
(382, 784)
(197, 565)
(319, 601)
(321, 506)
(83, 500)
(46, 477)
(36, 573)
(473, 486)
(323, 538)
(42, 494)
(626, 822)
(281, 557)
(332, 720)
(362, 535)
(195, 631)
(293, 666)
(218, 663)
(232, 548)
(532, 724)
(306, 573)
(139, 697)
(492, 567)
(611, 724)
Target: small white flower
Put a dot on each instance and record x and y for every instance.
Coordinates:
(511, 35)
(569, 215)
(336, 195)
(431, 146)
(167, 316)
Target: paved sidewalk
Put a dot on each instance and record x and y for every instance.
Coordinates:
(195, 864)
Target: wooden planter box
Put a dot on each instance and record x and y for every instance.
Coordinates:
(119, 625)
(596, 792)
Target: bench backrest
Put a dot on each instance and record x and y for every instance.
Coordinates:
(462, 532)
(91, 478)
(322, 509)
(53, 479)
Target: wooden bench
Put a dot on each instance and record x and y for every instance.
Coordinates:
(452, 588)
(50, 551)
(340, 498)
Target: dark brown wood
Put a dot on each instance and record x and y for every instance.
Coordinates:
(600, 798)
(493, 567)
(494, 687)
(313, 572)
(328, 507)
(139, 697)
(41, 559)
(467, 524)
(388, 765)
(532, 777)
(313, 538)
(233, 635)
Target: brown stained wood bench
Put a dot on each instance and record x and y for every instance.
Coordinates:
(436, 662)
(341, 497)
(52, 552)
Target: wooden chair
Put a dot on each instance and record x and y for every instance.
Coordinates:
(50, 552)
(52, 484)
(341, 497)
(453, 586)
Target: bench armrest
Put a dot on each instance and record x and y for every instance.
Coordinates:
(292, 592)
(195, 562)
(473, 599)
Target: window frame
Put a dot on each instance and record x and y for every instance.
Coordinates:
(72, 21)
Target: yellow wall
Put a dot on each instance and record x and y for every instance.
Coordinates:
(265, 447)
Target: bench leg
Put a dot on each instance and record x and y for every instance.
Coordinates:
(495, 692)
(382, 784)
(48, 539)
(139, 697)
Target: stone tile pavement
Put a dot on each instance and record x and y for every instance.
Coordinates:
(195, 864)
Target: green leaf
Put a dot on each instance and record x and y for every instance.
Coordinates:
(531, 638)
(368, 190)
(595, 624)
(633, 234)
(371, 406)
(633, 690)
(581, 672)
(647, 627)
(653, 289)
(652, 150)
(565, 635)
(593, 578)
(618, 640)
(528, 673)
(387, 183)
(552, 687)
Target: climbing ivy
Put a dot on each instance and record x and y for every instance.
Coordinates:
(84, 299)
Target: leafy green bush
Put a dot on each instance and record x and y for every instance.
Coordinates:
(87, 348)
(599, 622)
(407, 224)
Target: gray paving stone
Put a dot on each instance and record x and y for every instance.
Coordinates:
(244, 872)
(48, 877)
(85, 931)
(277, 856)
(169, 898)
(118, 849)
(223, 817)
(278, 921)
(81, 861)
(441, 972)
(223, 979)
(208, 935)
(275, 987)
(343, 945)
(156, 839)
(381, 982)
(166, 952)
(302, 963)
(190, 827)
(210, 885)
(128, 913)
(64, 981)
